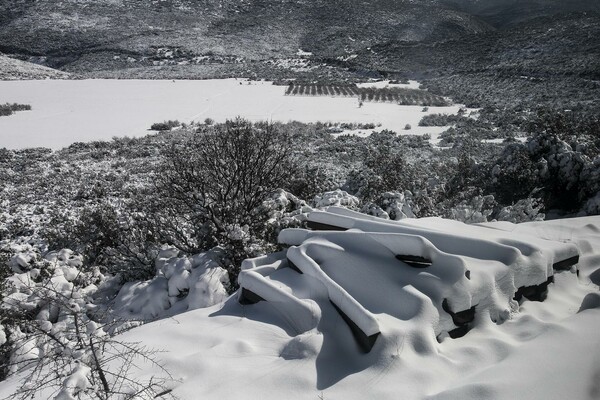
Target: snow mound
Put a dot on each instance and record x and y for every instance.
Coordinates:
(416, 282)
(446, 273)
(181, 284)
(361, 307)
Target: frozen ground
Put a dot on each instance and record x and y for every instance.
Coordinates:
(296, 344)
(66, 111)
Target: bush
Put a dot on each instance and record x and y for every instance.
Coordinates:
(515, 175)
(53, 336)
(211, 188)
(384, 170)
(165, 125)
(9, 109)
(117, 240)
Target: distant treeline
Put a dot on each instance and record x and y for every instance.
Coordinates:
(9, 109)
(397, 95)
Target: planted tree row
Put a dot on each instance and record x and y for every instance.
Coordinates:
(322, 90)
(402, 96)
(387, 95)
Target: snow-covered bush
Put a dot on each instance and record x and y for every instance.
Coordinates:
(384, 169)
(569, 176)
(336, 198)
(118, 240)
(392, 205)
(181, 284)
(286, 211)
(165, 125)
(524, 210)
(516, 175)
(474, 210)
(9, 109)
(58, 318)
(53, 335)
(310, 181)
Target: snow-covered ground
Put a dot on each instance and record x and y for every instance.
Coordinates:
(66, 111)
(297, 345)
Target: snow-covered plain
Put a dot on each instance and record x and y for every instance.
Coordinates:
(67, 111)
(297, 345)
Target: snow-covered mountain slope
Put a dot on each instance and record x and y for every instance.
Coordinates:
(299, 341)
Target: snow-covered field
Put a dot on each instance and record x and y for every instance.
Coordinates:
(66, 111)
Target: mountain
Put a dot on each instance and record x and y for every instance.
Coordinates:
(505, 13)
(187, 38)
(65, 32)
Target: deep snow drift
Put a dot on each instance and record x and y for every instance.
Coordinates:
(68, 111)
(360, 307)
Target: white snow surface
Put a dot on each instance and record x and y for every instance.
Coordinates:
(181, 284)
(296, 345)
(67, 111)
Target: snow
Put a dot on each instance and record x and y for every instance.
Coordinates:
(296, 345)
(66, 111)
(508, 247)
(74, 383)
(501, 140)
(181, 284)
(301, 314)
(336, 197)
(303, 53)
(302, 258)
(542, 368)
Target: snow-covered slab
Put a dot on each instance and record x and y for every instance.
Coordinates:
(302, 314)
(302, 257)
(533, 257)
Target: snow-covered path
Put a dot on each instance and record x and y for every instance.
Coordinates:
(66, 111)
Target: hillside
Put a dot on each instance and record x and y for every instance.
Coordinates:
(11, 69)
(65, 32)
(125, 33)
(553, 61)
(503, 13)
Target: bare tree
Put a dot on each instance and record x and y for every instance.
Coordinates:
(213, 184)
(61, 353)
